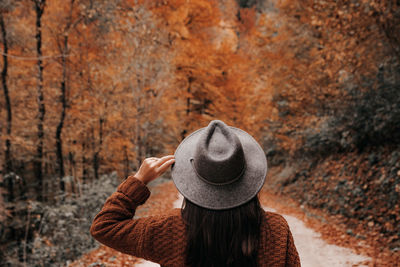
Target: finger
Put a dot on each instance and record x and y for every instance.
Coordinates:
(148, 160)
(164, 159)
(166, 165)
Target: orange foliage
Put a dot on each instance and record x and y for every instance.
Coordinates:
(141, 75)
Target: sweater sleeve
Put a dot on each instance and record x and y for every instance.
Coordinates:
(292, 256)
(114, 226)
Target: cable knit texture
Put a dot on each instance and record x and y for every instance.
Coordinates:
(162, 239)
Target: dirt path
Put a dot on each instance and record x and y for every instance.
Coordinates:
(314, 251)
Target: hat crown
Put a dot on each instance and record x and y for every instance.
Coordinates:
(219, 157)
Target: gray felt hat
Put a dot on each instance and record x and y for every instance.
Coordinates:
(219, 167)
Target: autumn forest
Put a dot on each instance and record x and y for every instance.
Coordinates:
(91, 88)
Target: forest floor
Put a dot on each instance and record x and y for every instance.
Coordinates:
(319, 239)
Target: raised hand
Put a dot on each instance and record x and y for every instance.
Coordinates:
(151, 168)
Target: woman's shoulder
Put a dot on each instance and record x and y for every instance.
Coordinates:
(275, 221)
(276, 242)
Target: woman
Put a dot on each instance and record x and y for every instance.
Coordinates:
(219, 170)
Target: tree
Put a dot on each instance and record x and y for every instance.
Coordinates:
(146, 66)
(39, 6)
(7, 168)
(62, 34)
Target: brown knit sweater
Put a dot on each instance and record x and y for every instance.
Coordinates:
(162, 238)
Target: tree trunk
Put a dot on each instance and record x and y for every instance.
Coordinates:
(96, 157)
(72, 166)
(7, 152)
(84, 161)
(60, 161)
(64, 49)
(138, 132)
(39, 9)
(126, 162)
(185, 130)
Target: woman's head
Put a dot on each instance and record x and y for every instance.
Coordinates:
(222, 237)
(219, 167)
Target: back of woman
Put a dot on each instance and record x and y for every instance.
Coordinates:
(219, 170)
(227, 238)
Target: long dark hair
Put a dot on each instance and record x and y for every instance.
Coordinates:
(222, 237)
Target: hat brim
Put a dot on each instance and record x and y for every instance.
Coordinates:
(219, 197)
